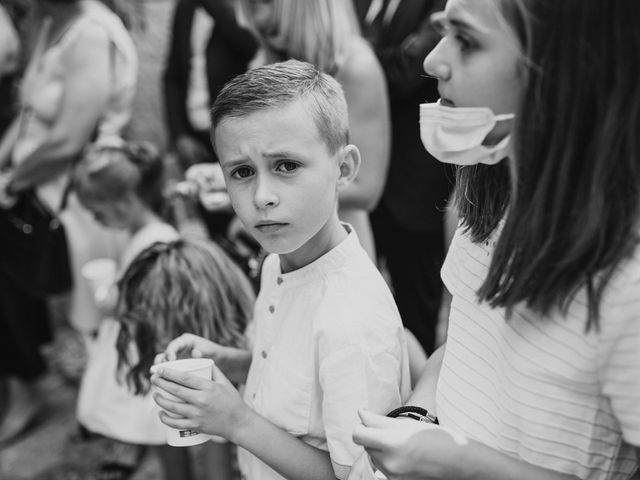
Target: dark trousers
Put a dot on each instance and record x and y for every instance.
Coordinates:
(24, 328)
(413, 260)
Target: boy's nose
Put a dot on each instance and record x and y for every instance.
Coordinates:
(264, 195)
(435, 65)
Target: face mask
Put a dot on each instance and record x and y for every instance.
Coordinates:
(455, 135)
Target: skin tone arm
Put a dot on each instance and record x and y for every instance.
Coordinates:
(424, 393)
(405, 449)
(84, 99)
(363, 82)
(215, 408)
(234, 362)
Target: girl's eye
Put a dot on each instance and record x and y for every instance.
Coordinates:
(242, 172)
(287, 167)
(465, 42)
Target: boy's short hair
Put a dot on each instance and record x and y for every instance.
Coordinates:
(279, 84)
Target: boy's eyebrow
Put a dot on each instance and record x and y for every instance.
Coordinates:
(280, 154)
(234, 162)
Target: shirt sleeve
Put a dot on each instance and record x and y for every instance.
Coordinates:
(619, 354)
(365, 374)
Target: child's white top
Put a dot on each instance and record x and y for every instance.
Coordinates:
(541, 389)
(328, 341)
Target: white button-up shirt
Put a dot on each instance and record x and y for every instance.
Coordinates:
(328, 342)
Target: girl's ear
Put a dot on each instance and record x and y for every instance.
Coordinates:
(349, 165)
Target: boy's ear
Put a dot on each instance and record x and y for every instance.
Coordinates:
(349, 165)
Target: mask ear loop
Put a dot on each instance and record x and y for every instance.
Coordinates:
(504, 116)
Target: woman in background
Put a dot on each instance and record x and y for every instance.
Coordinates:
(78, 85)
(326, 34)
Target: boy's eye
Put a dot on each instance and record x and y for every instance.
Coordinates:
(287, 167)
(242, 172)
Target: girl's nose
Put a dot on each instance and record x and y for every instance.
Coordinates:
(435, 65)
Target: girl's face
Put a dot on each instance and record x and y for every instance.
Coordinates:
(477, 61)
(265, 20)
(262, 13)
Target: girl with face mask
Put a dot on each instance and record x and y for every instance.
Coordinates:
(540, 374)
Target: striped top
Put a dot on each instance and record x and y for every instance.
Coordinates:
(540, 388)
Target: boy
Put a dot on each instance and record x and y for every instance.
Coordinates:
(328, 336)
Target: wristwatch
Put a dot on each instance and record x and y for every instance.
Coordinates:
(416, 413)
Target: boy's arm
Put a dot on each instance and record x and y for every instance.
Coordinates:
(215, 408)
(371, 373)
(286, 454)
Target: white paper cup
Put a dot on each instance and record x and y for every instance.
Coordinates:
(201, 367)
(99, 272)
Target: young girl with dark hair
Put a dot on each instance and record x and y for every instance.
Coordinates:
(540, 374)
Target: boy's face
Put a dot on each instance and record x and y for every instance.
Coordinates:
(282, 180)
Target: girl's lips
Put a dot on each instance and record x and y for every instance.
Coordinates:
(445, 102)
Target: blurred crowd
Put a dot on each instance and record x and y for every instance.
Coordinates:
(69, 73)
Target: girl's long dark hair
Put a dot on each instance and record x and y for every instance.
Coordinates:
(571, 205)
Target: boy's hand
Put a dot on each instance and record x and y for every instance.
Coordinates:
(213, 407)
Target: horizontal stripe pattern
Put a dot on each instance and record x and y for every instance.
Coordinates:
(540, 388)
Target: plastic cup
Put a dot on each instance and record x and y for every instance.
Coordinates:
(201, 367)
(99, 272)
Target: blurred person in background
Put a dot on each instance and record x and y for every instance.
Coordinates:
(325, 33)
(408, 223)
(78, 85)
(207, 49)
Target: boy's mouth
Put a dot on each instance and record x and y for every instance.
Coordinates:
(269, 226)
(445, 102)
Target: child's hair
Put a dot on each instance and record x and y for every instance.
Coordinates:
(184, 286)
(279, 84)
(571, 204)
(318, 32)
(110, 170)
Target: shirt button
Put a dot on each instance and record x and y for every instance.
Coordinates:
(280, 280)
(272, 309)
(264, 354)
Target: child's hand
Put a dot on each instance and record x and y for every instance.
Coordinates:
(213, 407)
(404, 448)
(234, 362)
(188, 345)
